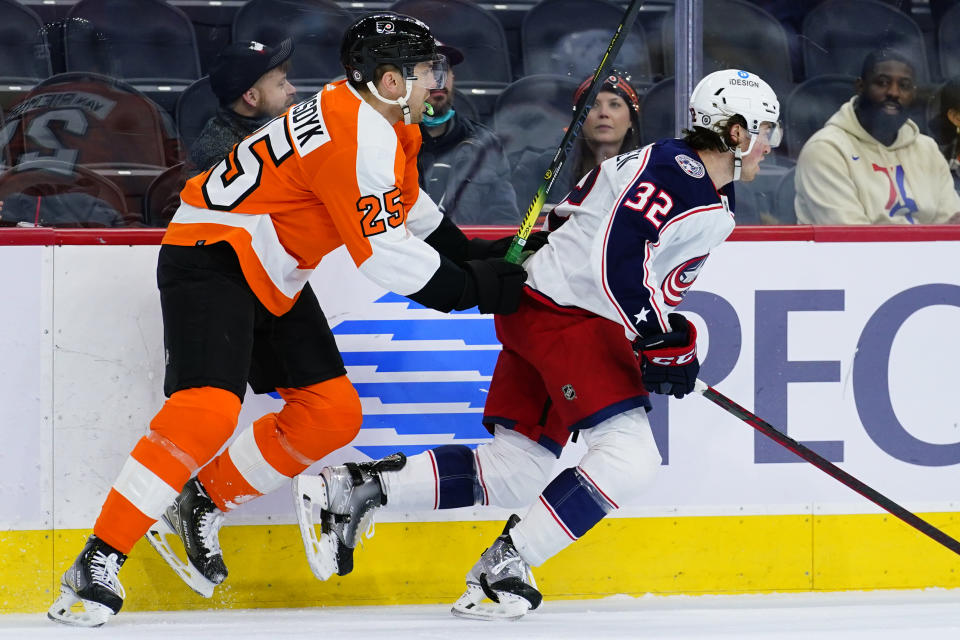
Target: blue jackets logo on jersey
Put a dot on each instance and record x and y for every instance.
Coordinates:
(690, 166)
(682, 277)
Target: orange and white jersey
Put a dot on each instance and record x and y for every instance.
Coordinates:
(330, 171)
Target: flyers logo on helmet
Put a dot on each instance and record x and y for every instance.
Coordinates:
(385, 26)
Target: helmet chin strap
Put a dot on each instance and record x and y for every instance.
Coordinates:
(402, 100)
(738, 154)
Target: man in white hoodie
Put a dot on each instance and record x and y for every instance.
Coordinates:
(870, 164)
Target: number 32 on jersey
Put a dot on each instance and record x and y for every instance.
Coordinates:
(654, 204)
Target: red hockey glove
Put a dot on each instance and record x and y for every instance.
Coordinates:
(669, 360)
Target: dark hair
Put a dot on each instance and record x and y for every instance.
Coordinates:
(582, 159)
(943, 130)
(883, 55)
(703, 139)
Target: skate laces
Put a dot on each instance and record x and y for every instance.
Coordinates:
(103, 571)
(367, 526)
(210, 523)
(500, 566)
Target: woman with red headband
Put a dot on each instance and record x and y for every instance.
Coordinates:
(612, 127)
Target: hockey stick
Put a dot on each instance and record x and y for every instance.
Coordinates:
(826, 466)
(566, 144)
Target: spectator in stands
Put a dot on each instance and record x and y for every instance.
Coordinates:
(946, 126)
(250, 80)
(462, 164)
(870, 164)
(612, 127)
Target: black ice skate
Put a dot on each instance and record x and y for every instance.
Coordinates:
(348, 497)
(92, 581)
(196, 520)
(503, 577)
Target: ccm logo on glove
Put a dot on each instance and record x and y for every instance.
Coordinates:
(668, 361)
(672, 361)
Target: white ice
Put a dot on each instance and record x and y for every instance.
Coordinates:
(876, 615)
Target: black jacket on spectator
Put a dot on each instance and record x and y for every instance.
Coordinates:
(466, 173)
(218, 137)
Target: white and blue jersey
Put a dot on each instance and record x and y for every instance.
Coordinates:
(635, 233)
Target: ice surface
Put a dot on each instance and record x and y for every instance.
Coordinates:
(929, 614)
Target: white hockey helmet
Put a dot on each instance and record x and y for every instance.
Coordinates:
(732, 91)
(728, 92)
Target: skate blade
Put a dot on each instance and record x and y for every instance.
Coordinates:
(474, 606)
(93, 614)
(321, 551)
(157, 537)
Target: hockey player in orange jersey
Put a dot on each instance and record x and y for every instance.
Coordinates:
(337, 169)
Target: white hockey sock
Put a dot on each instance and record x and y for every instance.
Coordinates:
(414, 486)
(441, 478)
(621, 459)
(539, 535)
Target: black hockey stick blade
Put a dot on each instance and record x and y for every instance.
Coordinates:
(566, 144)
(826, 466)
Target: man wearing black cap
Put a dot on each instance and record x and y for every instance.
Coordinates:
(462, 164)
(250, 80)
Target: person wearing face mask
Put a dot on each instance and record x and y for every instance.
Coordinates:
(870, 164)
(462, 164)
(612, 127)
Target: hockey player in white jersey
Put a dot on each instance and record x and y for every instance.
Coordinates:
(627, 244)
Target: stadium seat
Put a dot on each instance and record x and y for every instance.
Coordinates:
(810, 105)
(838, 35)
(51, 193)
(783, 201)
(98, 122)
(740, 35)
(569, 37)
(471, 29)
(148, 43)
(24, 55)
(159, 201)
(756, 200)
(533, 112)
(196, 105)
(657, 112)
(93, 120)
(465, 106)
(948, 40)
(316, 27)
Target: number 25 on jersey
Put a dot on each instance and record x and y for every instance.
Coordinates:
(370, 208)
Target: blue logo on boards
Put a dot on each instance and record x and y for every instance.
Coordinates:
(422, 376)
(743, 74)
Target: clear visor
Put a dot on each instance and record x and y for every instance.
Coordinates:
(429, 74)
(770, 133)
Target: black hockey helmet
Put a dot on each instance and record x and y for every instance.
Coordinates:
(384, 38)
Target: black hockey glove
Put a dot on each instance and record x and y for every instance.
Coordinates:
(480, 249)
(669, 360)
(492, 285)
